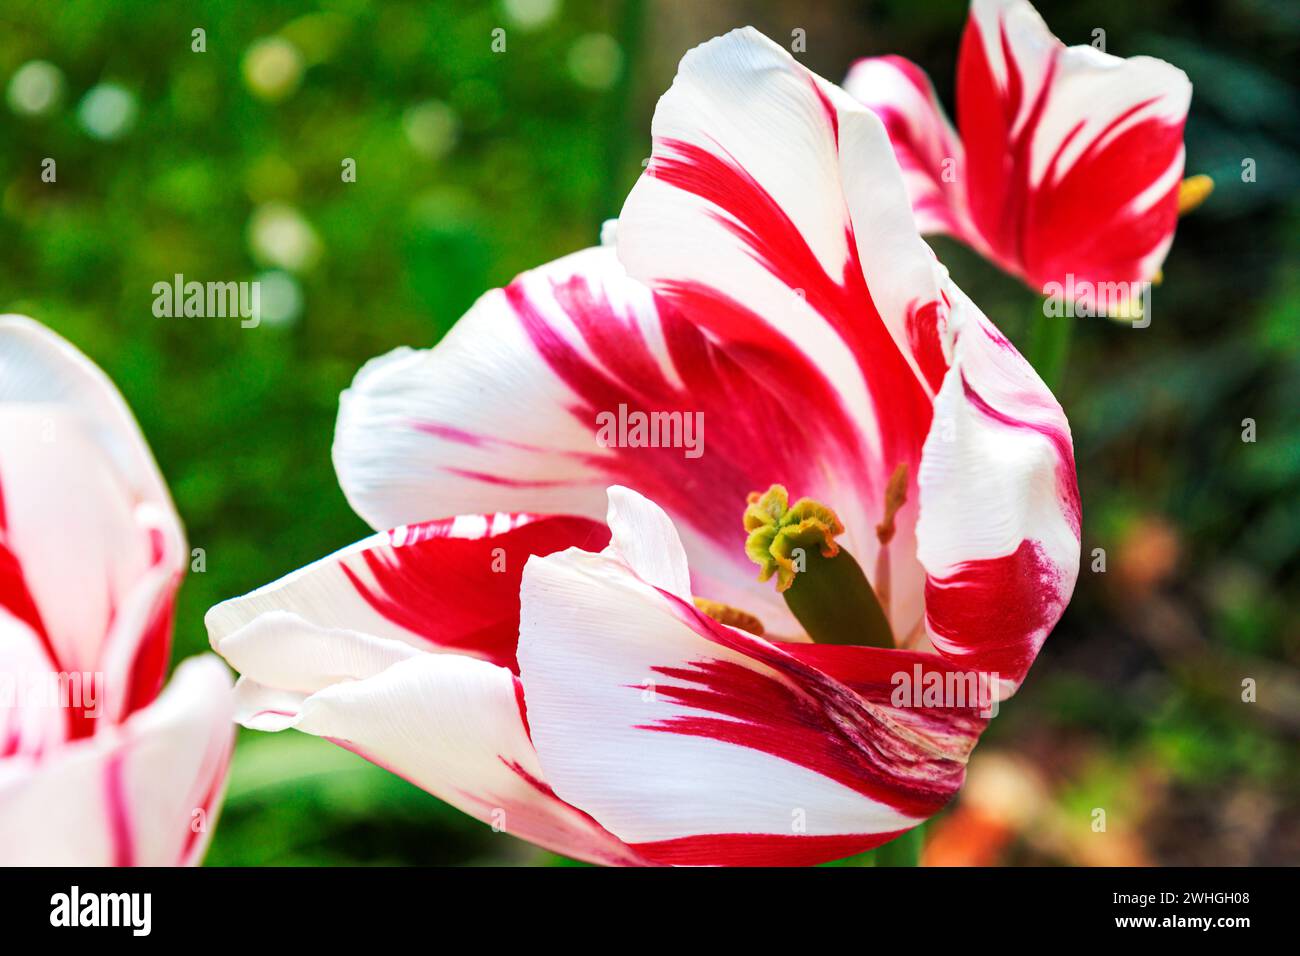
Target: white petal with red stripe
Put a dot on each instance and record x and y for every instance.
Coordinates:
(90, 547)
(87, 568)
(1069, 160)
(1000, 512)
(446, 585)
(698, 743)
(505, 412)
(401, 648)
(450, 724)
(144, 793)
(1073, 156)
(773, 214)
(32, 719)
(926, 146)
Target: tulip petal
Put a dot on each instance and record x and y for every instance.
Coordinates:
(642, 537)
(88, 569)
(1069, 160)
(370, 648)
(282, 651)
(1000, 514)
(773, 214)
(447, 585)
(452, 725)
(698, 743)
(506, 413)
(31, 712)
(1057, 137)
(91, 548)
(925, 144)
(144, 793)
(39, 368)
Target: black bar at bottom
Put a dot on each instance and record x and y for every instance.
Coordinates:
(240, 906)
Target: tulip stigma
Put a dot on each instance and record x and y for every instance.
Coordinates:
(822, 583)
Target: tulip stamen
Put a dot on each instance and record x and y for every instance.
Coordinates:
(731, 616)
(895, 498)
(1193, 191)
(821, 582)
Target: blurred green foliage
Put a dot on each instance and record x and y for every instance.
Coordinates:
(472, 165)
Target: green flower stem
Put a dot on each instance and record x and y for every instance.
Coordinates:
(1049, 344)
(903, 850)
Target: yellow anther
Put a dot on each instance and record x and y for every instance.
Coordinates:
(732, 616)
(1193, 191)
(895, 498)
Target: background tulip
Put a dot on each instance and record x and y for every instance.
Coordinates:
(1067, 161)
(96, 766)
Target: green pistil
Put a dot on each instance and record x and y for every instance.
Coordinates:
(820, 581)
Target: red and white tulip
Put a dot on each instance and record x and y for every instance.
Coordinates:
(99, 765)
(1066, 161)
(402, 648)
(769, 275)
